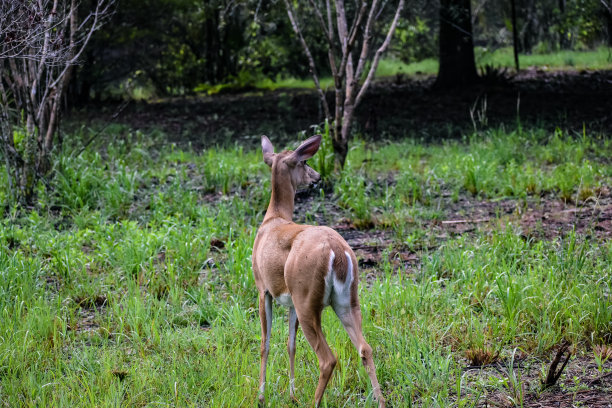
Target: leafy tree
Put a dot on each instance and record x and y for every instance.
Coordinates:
(178, 46)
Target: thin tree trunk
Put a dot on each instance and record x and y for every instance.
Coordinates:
(349, 89)
(11, 157)
(515, 42)
(607, 11)
(564, 41)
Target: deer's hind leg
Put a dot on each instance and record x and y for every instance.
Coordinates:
(351, 320)
(309, 299)
(345, 303)
(311, 326)
(293, 327)
(265, 315)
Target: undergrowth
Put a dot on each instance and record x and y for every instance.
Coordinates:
(131, 284)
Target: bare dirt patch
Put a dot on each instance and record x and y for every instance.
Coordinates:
(88, 312)
(581, 385)
(537, 218)
(393, 108)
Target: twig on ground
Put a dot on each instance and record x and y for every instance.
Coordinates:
(598, 379)
(466, 221)
(553, 375)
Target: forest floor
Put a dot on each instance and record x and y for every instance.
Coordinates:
(401, 107)
(394, 108)
(582, 384)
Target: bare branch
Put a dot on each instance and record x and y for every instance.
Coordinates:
(367, 39)
(353, 35)
(313, 69)
(40, 43)
(379, 53)
(321, 21)
(349, 90)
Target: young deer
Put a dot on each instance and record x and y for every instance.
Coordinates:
(305, 268)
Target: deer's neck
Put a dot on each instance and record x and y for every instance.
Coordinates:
(281, 203)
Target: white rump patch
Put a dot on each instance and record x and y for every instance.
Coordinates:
(329, 280)
(338, 293)
(341, 300)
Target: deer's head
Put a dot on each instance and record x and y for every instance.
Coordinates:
(293, 163)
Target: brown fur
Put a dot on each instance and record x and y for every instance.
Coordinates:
(294, 259)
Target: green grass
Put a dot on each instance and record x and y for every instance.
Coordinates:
(600, 58)
(597, 59)
(131, 283)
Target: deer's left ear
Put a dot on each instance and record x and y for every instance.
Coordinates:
(267, 150)
(307, 149)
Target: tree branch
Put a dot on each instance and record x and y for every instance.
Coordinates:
(321, 21)
(313, 69)
(379, 53)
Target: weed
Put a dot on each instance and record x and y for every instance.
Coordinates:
(602, 353)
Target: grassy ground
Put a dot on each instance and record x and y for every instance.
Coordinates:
(600, 58)
(131, 284)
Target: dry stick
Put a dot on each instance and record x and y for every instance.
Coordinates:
(583, 209)
(553, 375)
(598, 379)
(466, 221)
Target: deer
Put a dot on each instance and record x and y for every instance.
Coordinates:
(305, 268)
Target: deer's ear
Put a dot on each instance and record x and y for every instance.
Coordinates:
(307, 149)
(267, 150)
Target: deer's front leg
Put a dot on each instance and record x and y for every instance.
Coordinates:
(265, 315)
(293, 326)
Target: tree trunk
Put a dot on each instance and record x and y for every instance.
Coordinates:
(607, 6)
(515, 42)
(457, 66)
(529, 31)
(564, 42)
(341, 144)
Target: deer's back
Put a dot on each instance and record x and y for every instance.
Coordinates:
(285, 251)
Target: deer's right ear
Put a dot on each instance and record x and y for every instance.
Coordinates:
(268, 150)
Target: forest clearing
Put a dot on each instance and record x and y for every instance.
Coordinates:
(465, 157)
